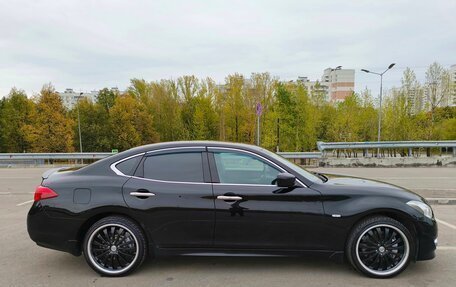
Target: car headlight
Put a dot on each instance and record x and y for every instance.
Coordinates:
(422, 207)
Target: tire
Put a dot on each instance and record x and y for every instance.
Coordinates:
(380, 247)
(114, 246)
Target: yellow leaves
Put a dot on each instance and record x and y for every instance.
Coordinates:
(131, 125)
(52, 129)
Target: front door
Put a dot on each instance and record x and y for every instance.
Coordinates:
(171, 194)
(254, 213)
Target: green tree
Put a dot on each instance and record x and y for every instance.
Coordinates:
(95, 132)
(131, 125)
(106, 98)
(17, 112)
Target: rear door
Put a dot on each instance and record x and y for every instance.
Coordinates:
(254, 213)
(171, 194)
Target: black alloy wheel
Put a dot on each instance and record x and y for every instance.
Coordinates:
(380, 247)
(114, 246)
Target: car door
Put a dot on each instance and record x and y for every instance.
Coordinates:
(172, 195)
(252, 212)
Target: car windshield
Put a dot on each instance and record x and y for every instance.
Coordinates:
(296, 168)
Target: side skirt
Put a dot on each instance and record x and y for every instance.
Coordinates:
(337, 256)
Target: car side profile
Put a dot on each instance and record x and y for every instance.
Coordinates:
(218, 198)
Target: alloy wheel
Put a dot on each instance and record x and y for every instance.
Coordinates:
(113, 248)
(382, 249)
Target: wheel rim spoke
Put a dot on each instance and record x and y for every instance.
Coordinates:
(113, 248)
(382, 249)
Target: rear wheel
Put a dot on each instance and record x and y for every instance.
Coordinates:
(380, 247)
(114, 246)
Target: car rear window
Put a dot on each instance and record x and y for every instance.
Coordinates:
(180, 167)
(128, 166)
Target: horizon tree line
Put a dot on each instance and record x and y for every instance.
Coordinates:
(190, 108)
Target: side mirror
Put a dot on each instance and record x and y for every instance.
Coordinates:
(285, 180)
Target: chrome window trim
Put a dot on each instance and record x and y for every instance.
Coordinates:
(118, 172)
(256, 155)
(177, 148)
(245, 184)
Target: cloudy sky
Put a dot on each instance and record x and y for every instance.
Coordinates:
(88, 45)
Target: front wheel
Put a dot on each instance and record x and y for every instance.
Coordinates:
(380, 247)
(114, 246)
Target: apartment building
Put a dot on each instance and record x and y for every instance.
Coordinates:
(70, 97)
(340, 83)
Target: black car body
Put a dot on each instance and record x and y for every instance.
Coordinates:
(216, 198)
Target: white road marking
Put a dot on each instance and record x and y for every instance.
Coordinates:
(25, 202)
(18, 177)
(416, 177)
(446, 223)
(446, 247)
(434, 189)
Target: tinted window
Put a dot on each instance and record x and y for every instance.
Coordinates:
(175, 167)
(243, 169)
(128, 166)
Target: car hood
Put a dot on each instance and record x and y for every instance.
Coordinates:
(355, 185)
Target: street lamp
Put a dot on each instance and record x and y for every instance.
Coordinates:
(380, 107)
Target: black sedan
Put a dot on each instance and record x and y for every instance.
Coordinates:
(216, 198)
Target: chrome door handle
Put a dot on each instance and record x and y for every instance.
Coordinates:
(229, 197)
(142, 194)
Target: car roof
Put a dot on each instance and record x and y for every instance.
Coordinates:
(101, 166)
(172, 144)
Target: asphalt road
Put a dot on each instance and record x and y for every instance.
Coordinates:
(25, 264)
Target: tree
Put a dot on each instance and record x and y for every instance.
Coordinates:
(234, 110)
(396, 121)
(188, 90)
(51, 129)
(438, 86)
(131, 125)
(412, 91)
(347, 122)
(95, 132)
(17, 112)
(106, 98)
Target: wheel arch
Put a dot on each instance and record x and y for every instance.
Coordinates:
(98, 216)
(399, 215)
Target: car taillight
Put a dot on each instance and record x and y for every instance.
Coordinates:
(42, 192)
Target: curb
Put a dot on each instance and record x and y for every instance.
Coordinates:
(441, 201)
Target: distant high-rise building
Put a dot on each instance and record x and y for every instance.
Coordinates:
(315, 89)
(340, 82)
(70, 97)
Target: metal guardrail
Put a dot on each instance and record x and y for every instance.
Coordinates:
(54, 156)
(322, 146)
(301, 155)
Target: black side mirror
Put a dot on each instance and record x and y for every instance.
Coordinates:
(285, 180)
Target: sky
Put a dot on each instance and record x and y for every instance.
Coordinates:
(88, 45)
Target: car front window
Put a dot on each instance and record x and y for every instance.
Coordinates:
(297, 169)
(241, 168)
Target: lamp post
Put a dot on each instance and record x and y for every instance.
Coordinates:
(380, 103)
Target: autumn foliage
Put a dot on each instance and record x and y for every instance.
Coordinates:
(199, 109)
